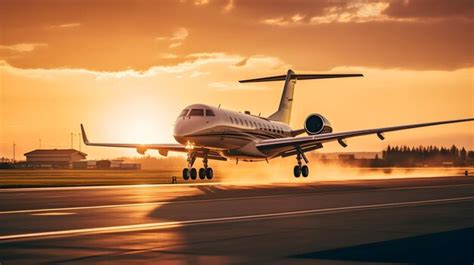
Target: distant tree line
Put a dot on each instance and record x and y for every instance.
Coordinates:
(426, 156)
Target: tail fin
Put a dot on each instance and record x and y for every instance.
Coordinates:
(283, 114)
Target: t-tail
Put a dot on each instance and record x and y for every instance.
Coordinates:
(283, 114)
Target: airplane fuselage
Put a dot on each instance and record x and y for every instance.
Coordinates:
(233, 133)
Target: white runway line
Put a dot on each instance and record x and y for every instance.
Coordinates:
(172, 224)
(53, 214)
(76, 208)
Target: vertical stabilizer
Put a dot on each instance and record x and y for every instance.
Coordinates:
(283, 114)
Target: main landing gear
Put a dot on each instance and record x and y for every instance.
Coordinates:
(191, 173)
(299, 169)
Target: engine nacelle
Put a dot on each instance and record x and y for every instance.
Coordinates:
(141, 150)
(317, 124)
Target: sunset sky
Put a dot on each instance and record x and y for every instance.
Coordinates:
(126, 68)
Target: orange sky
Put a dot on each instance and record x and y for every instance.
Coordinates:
(126, 69)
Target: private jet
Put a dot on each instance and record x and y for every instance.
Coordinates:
(213, 133)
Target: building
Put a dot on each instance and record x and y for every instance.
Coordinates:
(53, 158)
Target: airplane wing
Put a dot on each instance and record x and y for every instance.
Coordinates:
(311, 142)
(162, 148)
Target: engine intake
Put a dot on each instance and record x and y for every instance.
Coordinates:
(317, 124)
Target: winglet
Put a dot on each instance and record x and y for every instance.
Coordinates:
(84, 135)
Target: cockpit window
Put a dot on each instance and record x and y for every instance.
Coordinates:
(209, 112)
(196, 112)
(183, 113)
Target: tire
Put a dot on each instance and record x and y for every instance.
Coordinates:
(202, 173)
(305, 171)
(209, 173)
(193, 173)
(185, 173)
(297, 171)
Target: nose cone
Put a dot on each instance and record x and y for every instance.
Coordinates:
(181, 129)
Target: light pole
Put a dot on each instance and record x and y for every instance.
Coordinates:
(80, 141)
(14, 146)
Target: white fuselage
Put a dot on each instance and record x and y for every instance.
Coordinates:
(234, 134)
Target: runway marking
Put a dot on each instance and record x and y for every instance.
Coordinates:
(53, 214)
(173, 224)
(216, 200)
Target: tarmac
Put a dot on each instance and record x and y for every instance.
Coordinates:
(400, 221)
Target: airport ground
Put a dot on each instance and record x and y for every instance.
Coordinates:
(399, 221)
(246, 173)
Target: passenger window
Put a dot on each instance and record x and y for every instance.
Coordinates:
(196, 112)
(246, 123)
(241, 122)
(210, 112)
(231, 120)
(183, 113)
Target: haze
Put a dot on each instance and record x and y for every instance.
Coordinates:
(126, 70)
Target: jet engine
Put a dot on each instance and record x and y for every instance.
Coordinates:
(141, 150)
(317, 124)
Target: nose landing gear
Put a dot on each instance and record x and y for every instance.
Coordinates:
(203, 173)
(299, 169)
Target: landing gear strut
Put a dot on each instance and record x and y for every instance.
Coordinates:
(190, 172)
(300, 169)
(203, 173)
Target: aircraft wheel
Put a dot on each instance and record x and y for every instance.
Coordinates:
(209, 173)
(305, 171)
(193, 173)
(185, 173)
(202, 173)
(297, 171)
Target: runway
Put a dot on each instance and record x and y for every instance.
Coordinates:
(426, 220)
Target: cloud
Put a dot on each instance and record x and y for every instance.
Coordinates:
(176, 38)
(356, 11)
(229, 6)
(310, 34)
(199, 65)
(198, 73)
(363, 11)
(174, 45)
(242, 63)
(168, 56)
(178, 35)
(278, 21)
(201, 2)
(64, 26)
(431, 9)
(195, 66)
(23, 47)
(297, 17)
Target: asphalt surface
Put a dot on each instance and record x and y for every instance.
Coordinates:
(414, 221)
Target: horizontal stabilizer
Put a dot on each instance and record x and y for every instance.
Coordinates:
(299, 77)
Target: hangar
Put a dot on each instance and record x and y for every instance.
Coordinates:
(53, 158)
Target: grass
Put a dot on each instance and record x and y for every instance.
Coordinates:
(54, 178)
